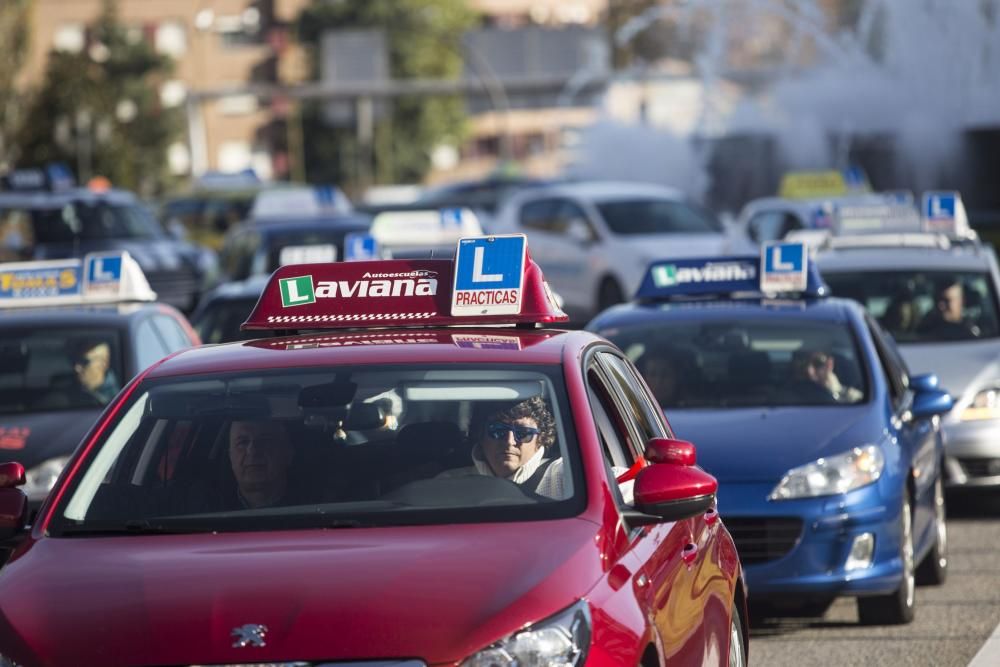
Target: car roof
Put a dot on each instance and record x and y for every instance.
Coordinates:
(68, 316)
(57, 199)
(508, 345)
(603, 190)
(956, 258)
(830, 310)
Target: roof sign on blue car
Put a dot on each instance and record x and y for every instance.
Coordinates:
(782, 268)
(97, 278)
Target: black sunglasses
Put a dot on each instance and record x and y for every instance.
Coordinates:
(522, 434)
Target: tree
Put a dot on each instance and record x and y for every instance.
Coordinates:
(424, 41)
(14, 37)
(100, 110)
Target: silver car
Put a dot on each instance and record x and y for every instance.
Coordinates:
(938, 298)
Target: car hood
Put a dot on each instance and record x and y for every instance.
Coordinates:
(762, 444)
(962, 368)
(30, 439)
(438, 593)
(152, 255)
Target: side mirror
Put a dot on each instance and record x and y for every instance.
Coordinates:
(924, 382)
(930, 402)
(674, 492)
(11, 475)
(667, 450)
(578, 230)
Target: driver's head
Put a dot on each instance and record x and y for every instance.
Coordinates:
(91, 361)
(814, 365)
(260, 454)
(511, 435)
(950, 302)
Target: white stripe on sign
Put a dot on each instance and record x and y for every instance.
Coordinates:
(989, 653)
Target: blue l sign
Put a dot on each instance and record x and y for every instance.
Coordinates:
(104, 269)
(783, 268)
(489, 273)
(359, 246)
(939, 206)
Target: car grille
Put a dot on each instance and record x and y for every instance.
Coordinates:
(176, 287)
(980, 467)
(759, 540)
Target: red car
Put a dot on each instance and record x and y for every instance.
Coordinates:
(417, 495)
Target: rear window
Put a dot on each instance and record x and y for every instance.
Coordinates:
(924, 306)
(87, 221)
(327, 448)
(657, 216)
(58, 369)
(746, 363)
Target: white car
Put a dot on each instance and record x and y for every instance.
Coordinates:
(594, 239)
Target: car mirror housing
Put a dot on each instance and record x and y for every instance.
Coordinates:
(11, 475)
(930, 402)
(668, 450)
(674, 492)
(924, 382)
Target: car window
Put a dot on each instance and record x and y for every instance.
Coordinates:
(746, 362)
(656, 216)
(924, 306)
(220, 321)
(97, 220)
(172, 333)
(16, 235)
(540, 215)
(647, 420)
(236, 257)
(387, 445)
(149, 347)
(889, 364)
(57, 369)
(772, 225)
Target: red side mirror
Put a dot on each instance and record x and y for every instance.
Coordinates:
(11, 475)
(668, 450)
(674, 492)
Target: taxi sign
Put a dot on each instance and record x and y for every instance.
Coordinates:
(97, 278)
(359, 247)
(944, 212)
(783, 267)
(489, 275)
(410, 292)
(823, 183)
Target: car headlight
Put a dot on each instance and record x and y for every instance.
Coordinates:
(985, 405)
(558, 641)
(38, 481)
(832, 475)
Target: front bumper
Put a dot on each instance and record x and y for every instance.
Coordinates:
(972, 453)
(777, 563)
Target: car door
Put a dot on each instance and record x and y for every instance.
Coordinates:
(562, 259)
(665, 555)
(918, 436)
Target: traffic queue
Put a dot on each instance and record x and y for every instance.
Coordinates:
(398, 403)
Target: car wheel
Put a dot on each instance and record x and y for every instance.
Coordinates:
(933, 570)
(737, 642)
(896, 608)
(609, 294)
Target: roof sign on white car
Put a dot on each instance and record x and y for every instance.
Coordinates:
(944, 212)
(104, 277)
(877, 217)
(307, 254)
(423, 228)
(360, 246)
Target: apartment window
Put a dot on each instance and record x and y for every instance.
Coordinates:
(69, 38)
(171, 39)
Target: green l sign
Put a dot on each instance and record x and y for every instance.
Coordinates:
(297, 291)
(665, 275)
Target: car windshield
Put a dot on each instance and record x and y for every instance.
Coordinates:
(329, 448)
(924, 306)
(745, 363)
(88, 221)
(657, 216)
(45, 368)
(220, 321)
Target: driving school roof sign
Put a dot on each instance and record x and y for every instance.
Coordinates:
(97, 278)
(783, 268)
(489, 275)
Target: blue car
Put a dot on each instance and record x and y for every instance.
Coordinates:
(828, 453)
